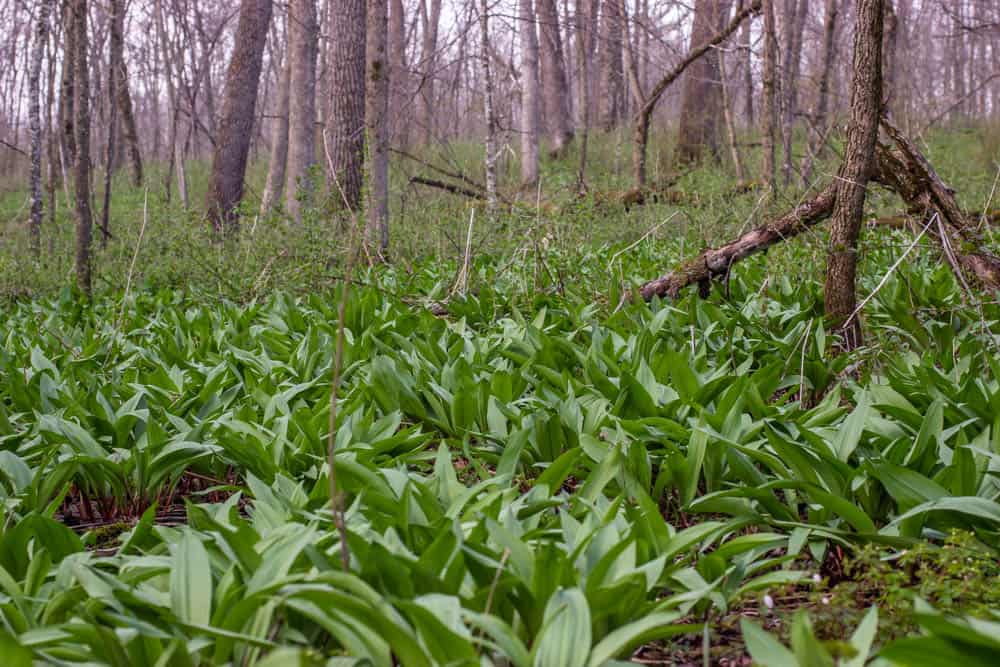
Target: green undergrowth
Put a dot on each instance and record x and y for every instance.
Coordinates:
(553, 474)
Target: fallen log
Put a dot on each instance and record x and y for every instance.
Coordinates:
(903, 169)
(448, 187)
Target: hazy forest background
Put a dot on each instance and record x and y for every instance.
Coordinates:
(500, 332)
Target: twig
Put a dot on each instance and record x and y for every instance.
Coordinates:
(135, 256)
(885, 278)
(338, 360)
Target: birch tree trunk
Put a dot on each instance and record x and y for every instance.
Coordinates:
(345, 127)
(303, 43)
(35, 123)
(529, 94)
(859, 156)
(376, 123)
(229, 162)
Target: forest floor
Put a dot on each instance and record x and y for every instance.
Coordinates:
(549, 460)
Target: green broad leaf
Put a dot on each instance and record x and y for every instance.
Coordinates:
(862, 639)
(907, 487)
(622, 640)
(191, 581)
(565, 635)
(808, 650)
(852, 428)
(13, 653)
(935, 652)
(764, 648)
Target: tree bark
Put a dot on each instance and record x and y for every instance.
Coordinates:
(529, 94)
(612, 98)
(818, 122)
(701, 99)
(491, 124)
(399, 79)
(582, 40)
(430, 19)
(35, 123)
(346, 120)
(555, 89)
(796, 13)
(67, 96)
(769, 112)
(747, 60)
(303, 44)
(81, 107)
(122, 96)
(862, 135)
(376, 123)
(274, 187)
(229, 162)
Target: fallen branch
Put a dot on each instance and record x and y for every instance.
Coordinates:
(448, 187)
(458, 176)
(716, 262)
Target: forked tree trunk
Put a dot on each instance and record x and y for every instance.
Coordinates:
(859, 156)
(376, 122)
(35, 123)
(529, 94)
(81, 107)
(232, 147)
(345, 127)
(303, 44)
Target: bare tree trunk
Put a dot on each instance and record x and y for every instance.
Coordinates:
(890, 57)
(529, 94)
(376, 122)
(769, 111)
(818, 122)
(229, 162)
(109, 157)
(700, 95)
(555, 89)
(428, 61)
(303, 43)
(491, 147)
(67, 96)
(796, 13)
(122, 96)
(612, 98)
(727, 113)
(35, 123)
(862, 135)
(346, 121)
(747, 60)
(582, 25)
(274, 187)
(399, 80)
(81, 107)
